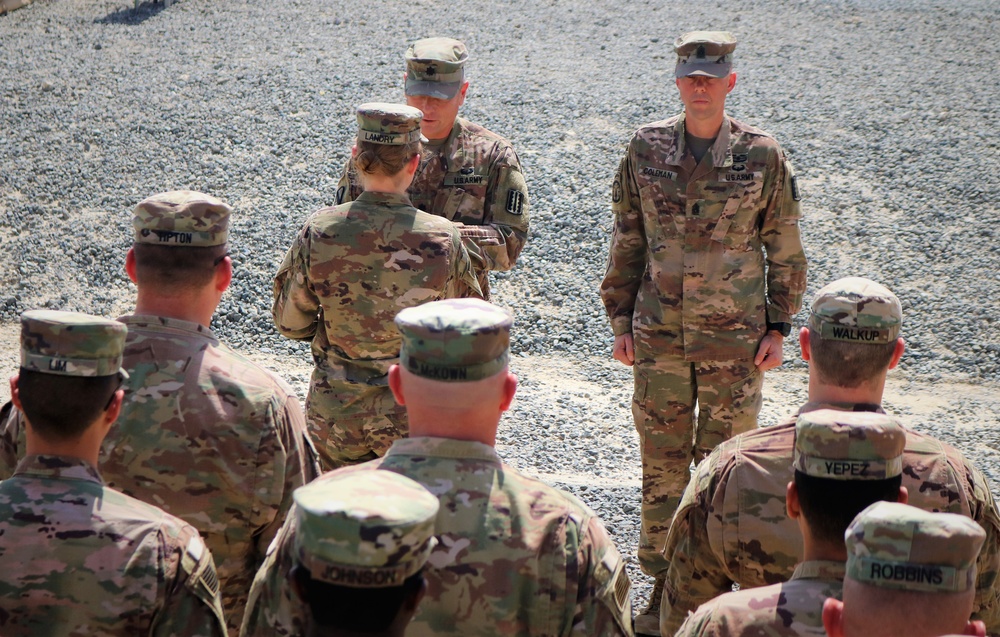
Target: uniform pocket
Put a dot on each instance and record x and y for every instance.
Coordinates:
(460, 205)
(658, 212)
(747, 400)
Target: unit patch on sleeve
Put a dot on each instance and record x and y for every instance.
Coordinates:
(616, 190)
(515, 201)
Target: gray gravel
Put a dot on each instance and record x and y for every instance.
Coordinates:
(888, 109)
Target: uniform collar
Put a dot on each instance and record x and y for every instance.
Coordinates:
(59, 467)
(163, 322)
(451, 153)
(443, 448)
(826, 570)
(816, 406)
(385, 198)
(721, 151)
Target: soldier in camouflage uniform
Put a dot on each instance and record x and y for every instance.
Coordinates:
(360, 541)
(731, 524)
(350, 270)
(909, 572)
(467, 174)
(515, 556)
(843, 461)
(705, 272)
(205, 433)
(77, 557)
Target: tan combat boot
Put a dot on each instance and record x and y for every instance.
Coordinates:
(648, 621)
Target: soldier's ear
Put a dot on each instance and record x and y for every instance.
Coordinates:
(509, 389)
(804, 343)
(732, 82)
(792, 507)
(130, 265)
(15, 397)
(975, 627)
(462, 91)
(897, 353)
(904, 496)
(833, 617)
(396, 384)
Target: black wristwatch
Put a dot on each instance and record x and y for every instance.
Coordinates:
(782, 328)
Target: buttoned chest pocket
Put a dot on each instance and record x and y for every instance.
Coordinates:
(662, 213)
(458, 204)
(738, 226)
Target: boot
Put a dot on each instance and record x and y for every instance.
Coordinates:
(648, 621)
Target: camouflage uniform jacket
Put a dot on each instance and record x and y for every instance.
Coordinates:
(515, 556)
(791, 609)
(474, 179)
(351, 269)
(731, 525)
(686, 269)
(212, 438)
(79, 558)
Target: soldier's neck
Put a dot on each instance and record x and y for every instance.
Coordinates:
(707, 128)
(868, 394)
(86, 447)
(194, 308)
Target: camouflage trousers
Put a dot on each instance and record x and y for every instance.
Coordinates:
(351, 423)
(670, 394)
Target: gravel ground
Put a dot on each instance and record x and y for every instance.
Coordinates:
(882, 106)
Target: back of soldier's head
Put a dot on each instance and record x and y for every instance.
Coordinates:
(180, 239)
(362, 539)
(70, 369)
(854, 324)
(844, 461)
(455, 342)
(909, 572)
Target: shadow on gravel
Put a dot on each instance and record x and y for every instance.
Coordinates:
(128, 15)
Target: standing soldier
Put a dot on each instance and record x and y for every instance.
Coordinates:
(705, 272)
(350, 270)
(78, 557)
(515, 556)
(467, 174)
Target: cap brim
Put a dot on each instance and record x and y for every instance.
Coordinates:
(703, 70)
(438, 90)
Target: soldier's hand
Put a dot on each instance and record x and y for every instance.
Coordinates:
(769, 353)
(624, 350)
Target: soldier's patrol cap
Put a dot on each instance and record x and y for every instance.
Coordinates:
(366, 529)
(435, 67)
(455, 339)
(857, 310)
(707, 53)
(389, 124)
(893, 545)
(847, 445)
(182, 218)
(71, 344)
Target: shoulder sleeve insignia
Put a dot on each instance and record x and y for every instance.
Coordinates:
(515, 201)
(340, 194)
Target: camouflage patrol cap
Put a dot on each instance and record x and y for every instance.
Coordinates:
(455, 339)
(389, 124)
(892, 545)
(367, 529)
(857, 310)
(435, 67)
(846, 445)
(182, 218)
(707, 53)
(71, 344)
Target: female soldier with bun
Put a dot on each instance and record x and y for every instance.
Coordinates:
(351, 269)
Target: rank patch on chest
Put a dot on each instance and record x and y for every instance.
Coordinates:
(515, 202)
(657, 173)
(741, 177)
